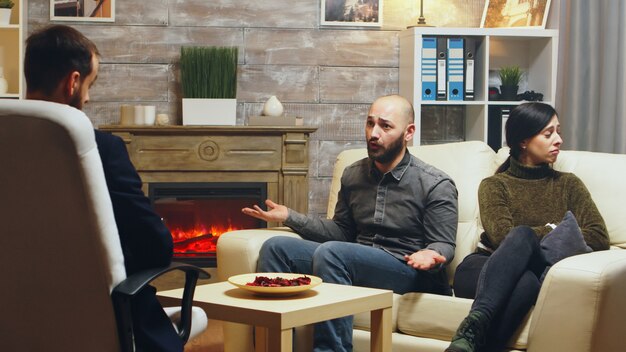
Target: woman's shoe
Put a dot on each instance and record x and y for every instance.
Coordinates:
(471, 334)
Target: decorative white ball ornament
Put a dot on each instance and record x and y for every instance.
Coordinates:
(273, 107)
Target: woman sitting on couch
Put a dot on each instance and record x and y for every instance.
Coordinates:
(519, 206)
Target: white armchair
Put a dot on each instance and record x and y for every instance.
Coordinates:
(64, 281)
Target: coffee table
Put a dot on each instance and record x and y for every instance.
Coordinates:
(274, 317)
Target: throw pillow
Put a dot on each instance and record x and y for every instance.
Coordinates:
(564, 241)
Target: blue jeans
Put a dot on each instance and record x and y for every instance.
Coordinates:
(505, 284)
(349, 264)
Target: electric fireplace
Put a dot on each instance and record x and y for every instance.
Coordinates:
(197, 213)
(183, 169)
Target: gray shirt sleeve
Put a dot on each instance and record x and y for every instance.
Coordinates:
(441, 219)
(314, 229)
(340, 228)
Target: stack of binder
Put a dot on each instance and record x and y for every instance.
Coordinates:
(447, 68)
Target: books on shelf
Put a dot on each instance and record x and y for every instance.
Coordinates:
(448, 68)
(469, 72)
(456, 67)
(429, 68)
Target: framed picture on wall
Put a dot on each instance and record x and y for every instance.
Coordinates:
(359, 13)
(515, 13)
(82, 10)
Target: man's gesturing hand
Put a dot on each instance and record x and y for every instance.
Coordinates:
(276, 212)
(425, 259)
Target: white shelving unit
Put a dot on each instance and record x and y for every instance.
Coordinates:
(12, 51)
(534, 50)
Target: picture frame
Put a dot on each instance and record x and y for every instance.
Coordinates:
(82, 10)
(515, 14)
(354, 13)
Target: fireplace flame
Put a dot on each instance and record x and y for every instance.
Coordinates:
(200, 239)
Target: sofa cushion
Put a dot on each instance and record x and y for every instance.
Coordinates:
(362, 320)
(607, 191)
(400, 343)
(423, 315)
(467, 163)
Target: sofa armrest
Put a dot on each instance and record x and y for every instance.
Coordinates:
(581, 307)
(238, 251)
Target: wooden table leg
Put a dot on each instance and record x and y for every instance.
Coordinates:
(260, 339)
(304, 338)
(380, 339)
(280, 340)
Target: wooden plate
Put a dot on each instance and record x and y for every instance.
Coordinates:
(241, 281)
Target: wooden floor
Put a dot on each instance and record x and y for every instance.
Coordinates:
(212, 339)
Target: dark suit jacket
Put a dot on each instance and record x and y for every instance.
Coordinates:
(146, 242)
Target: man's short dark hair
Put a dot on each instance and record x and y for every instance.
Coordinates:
(53, 53)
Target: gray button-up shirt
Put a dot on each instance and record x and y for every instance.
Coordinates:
(412, 207)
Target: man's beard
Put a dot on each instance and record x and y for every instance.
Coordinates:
(76, 100)
(386, 154)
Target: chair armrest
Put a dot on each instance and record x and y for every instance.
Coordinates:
(124, 292)
(238, 251)
(581, 307)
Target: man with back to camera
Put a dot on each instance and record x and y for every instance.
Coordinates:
(60, 66)
(394, 225)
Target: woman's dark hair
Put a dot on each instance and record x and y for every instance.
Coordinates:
(525, 121)
(53, 53)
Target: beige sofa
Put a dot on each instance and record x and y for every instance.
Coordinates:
(580, 307)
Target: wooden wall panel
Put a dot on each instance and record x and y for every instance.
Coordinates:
(137, 44)
(330, 150)
(290, 83)
(334, 121)
(322, 47)
(124, 83)
(356, 84)
(318, 196)
(153, 12)
(245, 13)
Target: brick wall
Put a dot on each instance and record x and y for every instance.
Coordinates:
(328, 75)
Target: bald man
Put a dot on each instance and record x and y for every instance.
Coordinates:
(394, 225)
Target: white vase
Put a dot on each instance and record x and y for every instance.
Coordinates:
(5, 16)
(4, 85)
(273, 107)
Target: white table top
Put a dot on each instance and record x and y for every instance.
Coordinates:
(223, 301)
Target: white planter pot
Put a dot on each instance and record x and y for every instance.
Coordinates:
(5, 16)
(214, 112)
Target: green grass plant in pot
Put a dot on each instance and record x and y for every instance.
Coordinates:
(209, 85)
(5, 11)
(510, 76)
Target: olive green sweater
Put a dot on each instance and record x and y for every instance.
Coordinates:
(535, 196)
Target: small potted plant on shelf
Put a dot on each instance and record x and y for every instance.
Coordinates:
(209, 84)
(510, 76)
(5, 11)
